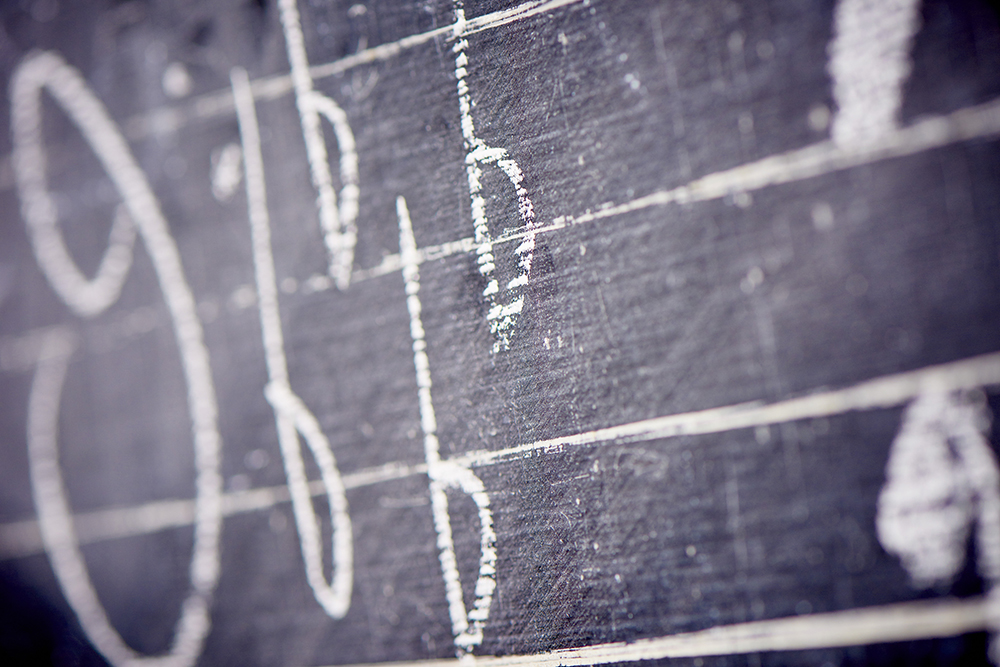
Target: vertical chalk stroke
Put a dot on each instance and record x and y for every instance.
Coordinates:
(467, 626)
(941, 483)
(337, 223)
(140, 208)
(503, 312)
(292, 417)
(869, 63)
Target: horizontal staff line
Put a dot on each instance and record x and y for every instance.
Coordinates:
(472, 26)
(220, 103)
(392, 263)
(22, 538)
(903, 621)
(826, 157)
(977, 122)
(19, 352)
(884, 392)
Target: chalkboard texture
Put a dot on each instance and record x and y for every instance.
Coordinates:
(556, 332)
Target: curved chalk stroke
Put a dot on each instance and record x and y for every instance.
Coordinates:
(503, 313)
(291, 414)
(942, 481)
(338, 223)
(86, 298)
(49, 71)
(41, 214)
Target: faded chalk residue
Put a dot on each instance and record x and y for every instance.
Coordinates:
(227, 171)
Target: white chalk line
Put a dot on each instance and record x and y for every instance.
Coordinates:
(337, 222)
(784, 634)
(887, 623)
(979, 122)
(220, 103)
(292, 416)
(820, 159)
(899, 622)
(48, 71)
(885, 392)
(855, 627)
(23, 538)
(869, 63)
(467, 627)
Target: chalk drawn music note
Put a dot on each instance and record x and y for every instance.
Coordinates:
(87, 298)
(505, 302)
(294, 418)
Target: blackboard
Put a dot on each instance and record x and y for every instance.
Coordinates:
(555, 332)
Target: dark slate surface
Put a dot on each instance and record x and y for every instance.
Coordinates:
(629, 317)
